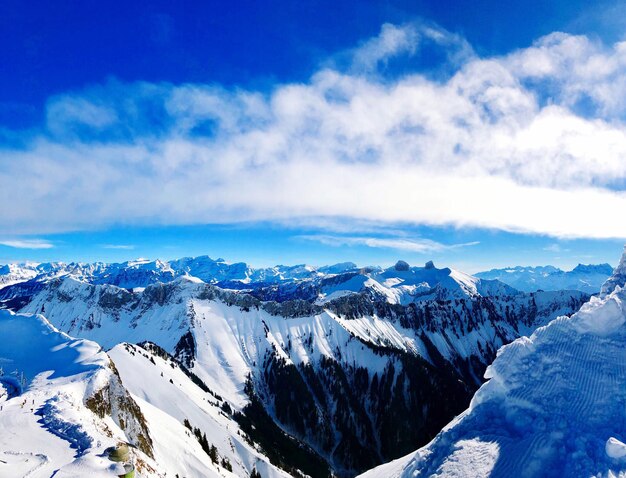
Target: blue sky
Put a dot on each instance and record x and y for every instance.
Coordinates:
(283, 132)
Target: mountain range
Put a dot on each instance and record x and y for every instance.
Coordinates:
(588, 278)
(401, 283)
(281, 371)
(553, 405)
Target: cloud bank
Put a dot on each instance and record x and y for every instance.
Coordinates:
(533, 141)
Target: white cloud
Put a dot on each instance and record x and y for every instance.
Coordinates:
(118, 246)
(27, 244)
(533, 141)
(395, 41)
(392, 40)
(402, 244)
(67, 112)
(555, 248)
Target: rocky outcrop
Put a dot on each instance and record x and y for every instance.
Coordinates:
(113, 400)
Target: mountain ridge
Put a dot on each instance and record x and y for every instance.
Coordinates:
(552, 405)
(243, 348)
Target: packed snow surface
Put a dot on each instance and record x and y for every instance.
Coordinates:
(555, 405)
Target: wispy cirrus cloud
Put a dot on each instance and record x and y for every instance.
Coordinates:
(393, 40)
(126, 247)
(27, 243)
(532, 141)
(555, 247)
(401, 244)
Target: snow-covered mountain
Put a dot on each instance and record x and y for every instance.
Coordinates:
(587, 278)
(398, 281)
(64, 402)
(553, 405)
(16, 273)
(143, 272)
(398, 284)
(357, 379)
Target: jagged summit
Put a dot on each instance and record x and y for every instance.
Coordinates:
(401, 266)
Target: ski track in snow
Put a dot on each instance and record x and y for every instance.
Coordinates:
(73, 433)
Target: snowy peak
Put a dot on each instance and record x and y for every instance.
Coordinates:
(618, 279)
(338, 268)
(16, 273)
(404, 284)
(399, 284)
(209, 270)
(593, 269)
(140, 273)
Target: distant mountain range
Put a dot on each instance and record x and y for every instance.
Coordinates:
(587, 278)
(401, 283)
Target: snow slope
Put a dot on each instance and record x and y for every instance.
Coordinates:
(50, 426)
(167, 397)
(554, 405)
(46, 426)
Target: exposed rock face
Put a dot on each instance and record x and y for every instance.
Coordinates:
(402, 266)
(114, 400)
(185, 350)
